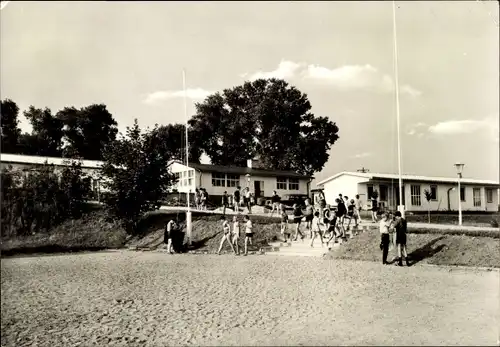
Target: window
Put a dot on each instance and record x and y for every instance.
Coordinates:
(184, 174)
(383, 192)
(218, 179)
(476, 194)
(462, 193)
(293, 184)
(191, 173)
(233, 180)
(415, 195)
(281, 183)
(489, 196)
(434, 192)
(190, 182)
(370, 191)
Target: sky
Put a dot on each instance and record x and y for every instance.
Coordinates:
(130, 56)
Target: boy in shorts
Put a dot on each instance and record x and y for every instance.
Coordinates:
(284, 224)
(297, 217)
(316, 229)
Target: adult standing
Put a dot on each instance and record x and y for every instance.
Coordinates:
(248, 233)
(401, 231)
(236, 199)
(384, 225)
(322, 203)
(248, 200)
(197, 198)
(169, 232)
(341, 211)
(309, 214)
(374, 209)
(225, 202)
(275, 201)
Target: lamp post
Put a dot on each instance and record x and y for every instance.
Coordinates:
(459, 168)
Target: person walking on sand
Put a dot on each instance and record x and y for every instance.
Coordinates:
(401, 231)
(248, 233)
(316, 229)
(333, 228)
(359, 207)
(351, 213)
(225, 202)
(297, 218)
(170, 228)
(226, 236)
(275, 201)
(236, 199)
(284, 224)
(384, 225)
(236, 234)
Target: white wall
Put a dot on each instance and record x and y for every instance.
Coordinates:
(270, 184)
(184, 186)
(345, 185)
(351, 185)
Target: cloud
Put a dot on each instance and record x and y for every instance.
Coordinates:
(454, 127)
(357, 77)
(195, 93)
(362, 155)
(285, 70)
(489, 127)
(416, 129)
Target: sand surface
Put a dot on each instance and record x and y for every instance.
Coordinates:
(153, 299)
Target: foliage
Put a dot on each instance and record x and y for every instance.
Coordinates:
(264, 118)
(46, 136)
(41, 198)
(172, 139)
(9, 113)
(136, 174)
(88, 131)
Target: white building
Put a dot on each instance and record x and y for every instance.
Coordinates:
(216, 179)
(476, 195)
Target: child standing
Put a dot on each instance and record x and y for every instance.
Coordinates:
(284, 224)
(333, 228)
(401, 230)
(236, 234)
(226, 235)
(316, 230)
(352, 214)
(384, 237)
(167, 236)
(248, 233)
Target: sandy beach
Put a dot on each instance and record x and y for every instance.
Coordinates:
(153, 299)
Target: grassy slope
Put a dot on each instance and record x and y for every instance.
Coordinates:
(435, 249)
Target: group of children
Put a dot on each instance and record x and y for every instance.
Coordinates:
(232, 235)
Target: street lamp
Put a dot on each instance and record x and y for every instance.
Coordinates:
(459, 168)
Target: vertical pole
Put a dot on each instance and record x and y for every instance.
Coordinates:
(401, 206)
(188, 212)
(459, 201)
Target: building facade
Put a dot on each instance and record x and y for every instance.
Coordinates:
(218, 179)
(476, 195)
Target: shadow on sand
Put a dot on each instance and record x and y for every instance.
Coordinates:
(425, 251)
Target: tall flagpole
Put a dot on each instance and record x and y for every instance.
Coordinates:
(396, 81)
(188, 212)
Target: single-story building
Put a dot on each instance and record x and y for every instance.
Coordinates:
(214, 178)
(476, 195)
(27, 163)
(217, 179)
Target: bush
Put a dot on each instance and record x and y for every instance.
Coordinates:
(494, 223)
(39, 199)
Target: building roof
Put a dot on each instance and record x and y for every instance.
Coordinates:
(239, 170)
(40, 160)
(386, 176)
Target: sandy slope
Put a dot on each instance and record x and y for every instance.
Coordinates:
(155, 299)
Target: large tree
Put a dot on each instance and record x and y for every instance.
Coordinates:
(171, 139)
(46, 136)
(265, 118)
(137, 176)
(9, 113)
(87, 131)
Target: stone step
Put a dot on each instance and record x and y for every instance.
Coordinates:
(295, 254)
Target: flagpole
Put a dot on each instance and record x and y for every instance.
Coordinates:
(188, 212)
(396, 81)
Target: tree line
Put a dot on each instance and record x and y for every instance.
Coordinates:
(266, 118)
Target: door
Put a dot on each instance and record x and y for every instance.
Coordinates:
(396, 188)
(258, 188)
